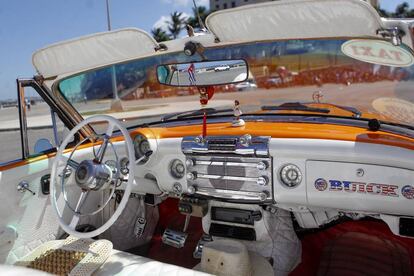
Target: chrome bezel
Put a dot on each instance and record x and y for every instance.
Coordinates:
(170, 168)
(123, 164)
(284, 182)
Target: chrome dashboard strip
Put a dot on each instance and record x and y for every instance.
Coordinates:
(229, 164)
(227, 177)
(236, 151)
(233, 195)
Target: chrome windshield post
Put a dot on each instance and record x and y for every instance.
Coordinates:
(54, 125)
(22, 118)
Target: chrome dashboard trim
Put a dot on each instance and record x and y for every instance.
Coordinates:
(232, 195)
(236, 168)
(227, 177)
(257, 146)
(258, 165)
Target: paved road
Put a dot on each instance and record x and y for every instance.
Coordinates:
(360, 96)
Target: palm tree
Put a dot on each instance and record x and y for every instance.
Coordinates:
(383, 13)
(176, 24)
(160, 35)
(401, 11)
(193, 20)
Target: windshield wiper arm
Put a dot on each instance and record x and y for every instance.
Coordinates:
(192, 113)
(294, 106)
(303, 107)
(353, 110)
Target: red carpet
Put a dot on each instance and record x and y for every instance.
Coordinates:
(171, 218)
(312, 244)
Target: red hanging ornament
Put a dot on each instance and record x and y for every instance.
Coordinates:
(206, 93)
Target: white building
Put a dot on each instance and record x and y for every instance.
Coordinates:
(227, 4)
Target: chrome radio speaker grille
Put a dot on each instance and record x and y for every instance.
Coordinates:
(245, 145)
(222, 167)
(222, 144)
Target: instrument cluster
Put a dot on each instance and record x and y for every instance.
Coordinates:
(141, 147)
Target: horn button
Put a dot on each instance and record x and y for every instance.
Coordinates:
(92, 176)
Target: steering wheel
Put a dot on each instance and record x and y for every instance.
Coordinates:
(91, 176)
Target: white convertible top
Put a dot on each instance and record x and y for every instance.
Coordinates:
(290, 19)
(92, 51)
(285, 19)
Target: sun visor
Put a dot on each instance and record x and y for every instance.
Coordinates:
(295, 19)
(92, 51)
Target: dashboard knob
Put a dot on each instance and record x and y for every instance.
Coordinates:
(263, 196)
(261, 166)
(191, 176)
(246, 140)
(190, 162)
(262, 181)
(199, 140)
(177, 188)
(191, 189)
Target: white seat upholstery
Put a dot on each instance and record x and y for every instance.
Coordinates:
(119, 263)
(11, 270)
(122, 263)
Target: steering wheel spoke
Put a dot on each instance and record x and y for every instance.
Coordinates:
(74, 222)
(82, 198)
(76, 217)
(106, 137)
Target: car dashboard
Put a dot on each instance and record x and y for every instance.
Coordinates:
(363, 174)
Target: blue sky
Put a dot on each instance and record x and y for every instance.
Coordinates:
(27, 25)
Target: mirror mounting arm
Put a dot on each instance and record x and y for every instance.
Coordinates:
(394, 35)
(191, 47)
(161, 47)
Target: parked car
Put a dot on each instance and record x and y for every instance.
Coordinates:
(246, 85)
(222, 68)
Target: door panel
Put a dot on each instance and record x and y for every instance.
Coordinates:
(28, 220)
(30, 216)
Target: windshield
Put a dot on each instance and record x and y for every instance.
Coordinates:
(294, 76)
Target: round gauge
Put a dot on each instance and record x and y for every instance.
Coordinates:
(124, 163)
(141, 146)
(290, 175)
(144, 146)
(177, 169)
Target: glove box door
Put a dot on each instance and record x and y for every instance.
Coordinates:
(360, 187)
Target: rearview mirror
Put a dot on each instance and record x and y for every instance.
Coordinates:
(204, 73)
